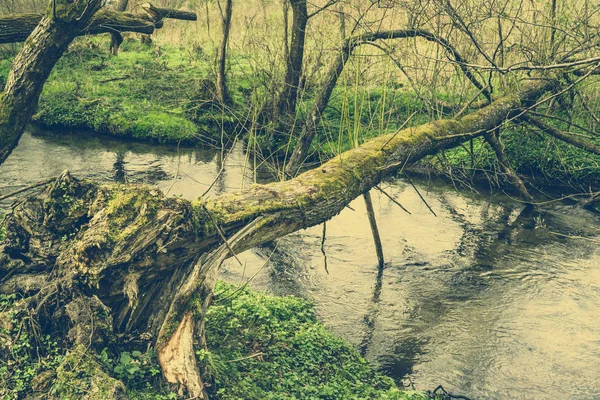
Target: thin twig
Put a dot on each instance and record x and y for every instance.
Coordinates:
(220, 232)
(392, 199)
(260, 353)
(398, 130)
(323, 246)
(8, 195)
(419, 193)
(119, 78)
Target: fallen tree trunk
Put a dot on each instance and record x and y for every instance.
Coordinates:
(158, 13)
(17, 28)
(152, 261)
(311, 124)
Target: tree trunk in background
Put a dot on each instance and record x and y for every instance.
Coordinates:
(33, 65)
(342, 17)
(287, 99)
(115, 37)
(222, 89)
(286, 25)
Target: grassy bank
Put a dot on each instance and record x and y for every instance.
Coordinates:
(148, 92)
(163, 93)
(535, 155)
(259, 347)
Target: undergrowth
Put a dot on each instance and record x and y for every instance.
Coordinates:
(532, 154)
(259, 347)
(268, 347)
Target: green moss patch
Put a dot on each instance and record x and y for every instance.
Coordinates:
(268, 347)
(146, 92)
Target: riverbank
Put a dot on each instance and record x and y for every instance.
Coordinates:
(165, 94)
(157, 94)
(259, 347)
(544, 161)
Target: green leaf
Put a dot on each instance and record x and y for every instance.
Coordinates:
(125, 358)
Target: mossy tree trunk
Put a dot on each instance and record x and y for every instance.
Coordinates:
(152, 261)
(64, 19)
(17, 28)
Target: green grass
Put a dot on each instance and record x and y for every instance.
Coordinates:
(158, 93)
(355, 116)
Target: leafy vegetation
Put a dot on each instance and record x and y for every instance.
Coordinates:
(267, 347)
(259, 347)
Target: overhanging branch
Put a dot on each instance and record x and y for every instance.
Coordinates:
(17, 28)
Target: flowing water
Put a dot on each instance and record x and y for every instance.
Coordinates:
(489, 298)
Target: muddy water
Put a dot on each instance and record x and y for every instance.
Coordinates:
(488, 298)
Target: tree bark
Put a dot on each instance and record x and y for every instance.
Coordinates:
(374, 229)
(287, 99)
(158, 14)
(17, 28)
(33, 65)
(222, 89)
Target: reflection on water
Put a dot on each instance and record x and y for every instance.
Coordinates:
(491, 299)
(182, 171)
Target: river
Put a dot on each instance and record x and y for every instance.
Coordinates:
(489, 298)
